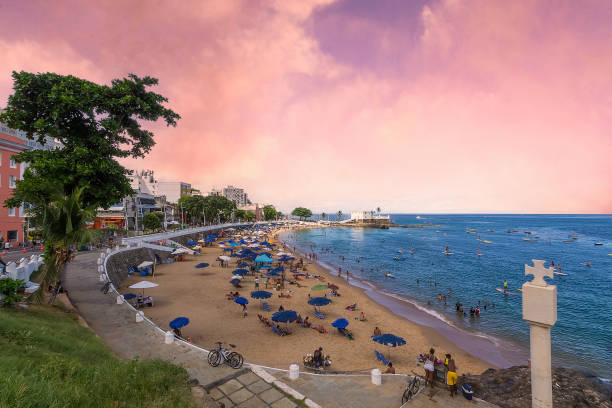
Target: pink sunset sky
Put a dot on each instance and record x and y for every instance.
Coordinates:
(411, 106)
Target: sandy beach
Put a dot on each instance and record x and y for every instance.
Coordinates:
(200, 295)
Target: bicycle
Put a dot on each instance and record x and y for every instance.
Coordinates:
(412, 388)
(223, 355)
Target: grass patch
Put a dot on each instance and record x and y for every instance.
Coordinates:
(48, 360)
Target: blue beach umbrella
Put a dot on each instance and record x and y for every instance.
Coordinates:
(272, 273)
(243, 265)
(240, 272)
(319, 301)
(191, 243)
(340, 323)
(278, 270)
(241, 301)
(261, 294)
(201, 265)
(263, 258)
(390, 340)
(179, 322)
(235, 281)
(128, 296)
(286, 316)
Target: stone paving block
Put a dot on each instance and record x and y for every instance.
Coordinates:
(284, 403)
(230, 387)
(248, 378)
(216, 394)
(259, 386)
(253, 402)
(271, 395)
(227, 403)
(241, 395)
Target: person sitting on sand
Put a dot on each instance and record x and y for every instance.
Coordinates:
(299, 319)
(390, 369)
(306, 323)
(352, 307)
(317, 357)
(377, 331)
(281, 308)
(362, 317)
(177, 332)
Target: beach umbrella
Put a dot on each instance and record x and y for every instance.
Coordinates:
(179, 322)
(191, 242)
(389, 340)
(319, 301)
(128, 296)
(263, 258)
(179, 251)
(145, 264)
(319, 287)
(143, 285)
(233, 244)
(278, 270)
(261, 294)
(235, 281)
(340, 323)
(241, 301)
(240, 272)
(225, 258)
(272, 273)
(237, 277)
(243, 265)
(201, 265)
(332, 286)
(286, 316)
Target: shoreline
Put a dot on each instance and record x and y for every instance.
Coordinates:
(495, 351)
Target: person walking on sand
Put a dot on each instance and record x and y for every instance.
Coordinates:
(245, 312)
(257, 281)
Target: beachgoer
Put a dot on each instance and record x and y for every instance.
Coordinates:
(451, 376)
(256, 281)
(306, 322)
(377, 331)
(390, 369)
(177, 332)
(505, 286)
(362, 316)
(477, 311)
(472, 311)
(244, 311)
(281, 308)
(429, 367)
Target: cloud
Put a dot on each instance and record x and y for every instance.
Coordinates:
(476, 106)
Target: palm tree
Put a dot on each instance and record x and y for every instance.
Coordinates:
(63, 222)
(339, 215)
(378, 210)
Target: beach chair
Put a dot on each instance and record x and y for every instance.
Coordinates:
(384, 360)
(378, 355)
(319, 314)
(275, 330)
(266, 306)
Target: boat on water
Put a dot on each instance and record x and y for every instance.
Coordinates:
(514, 230)
(397, 258)
(529, 239)
(490, 230)
(568, 240)
(598, 243)
(528, 232)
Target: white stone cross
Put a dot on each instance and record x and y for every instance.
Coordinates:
(539, 272)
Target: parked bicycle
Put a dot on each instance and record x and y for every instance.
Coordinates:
(412, 388)
(222, 355)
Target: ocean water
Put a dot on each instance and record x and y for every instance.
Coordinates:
(582, 336)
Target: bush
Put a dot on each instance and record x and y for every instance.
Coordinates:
(8, 290)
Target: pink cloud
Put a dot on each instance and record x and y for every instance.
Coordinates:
(497, 107)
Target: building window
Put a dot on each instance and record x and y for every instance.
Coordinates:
(11, 235)
(13, 163)
(12, 180)
(11, 212)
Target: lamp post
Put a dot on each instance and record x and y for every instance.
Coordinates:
(540, 311)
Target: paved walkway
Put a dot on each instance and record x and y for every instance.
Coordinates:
(116, 325)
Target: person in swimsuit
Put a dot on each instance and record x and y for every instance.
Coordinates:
(451, 376)
(429, 367)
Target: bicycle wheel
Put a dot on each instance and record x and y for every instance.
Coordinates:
(415, 386)
(214, 358)
(235, 360)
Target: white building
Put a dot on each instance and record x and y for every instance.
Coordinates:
(235, 194)
(173, 190)
(367, 215)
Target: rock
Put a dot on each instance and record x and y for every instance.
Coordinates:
(511, 388)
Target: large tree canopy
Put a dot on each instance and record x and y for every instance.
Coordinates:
(211, 206)
(269, 212)
(301, 212)
(94, 124)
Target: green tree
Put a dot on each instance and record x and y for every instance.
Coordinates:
(240, 215)
(339, 215)
(378, 210)
(153, 220)
(269, 212)
(301, 212)
(94, 124)
(194, 206)
(218, 206)
(323, 216)
(250, 215)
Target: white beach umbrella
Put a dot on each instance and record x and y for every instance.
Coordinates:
(225, 258)
(181, 251)
(144, 285)
(236, 277)
(145, 264)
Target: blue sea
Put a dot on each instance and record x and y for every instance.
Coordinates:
(582, 336)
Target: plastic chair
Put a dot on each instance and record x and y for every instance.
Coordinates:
(266, 306)
(319, 314)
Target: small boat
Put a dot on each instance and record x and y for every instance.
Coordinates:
(529, 239)
(490, 230)
(514, 230)
(397, 258)
(573, 236)
(471, 231)
(528, 232)
(598, 243)
(505, 293)
(561, 273)
(568, 240)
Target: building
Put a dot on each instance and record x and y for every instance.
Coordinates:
(368, 218)
(259, 216)
(237, 195)
(13, 223)
(173, 190)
